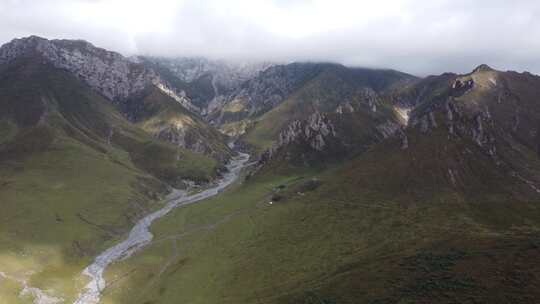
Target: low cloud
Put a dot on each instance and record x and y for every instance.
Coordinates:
(415, 36)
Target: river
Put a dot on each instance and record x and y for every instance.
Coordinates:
(140, 234)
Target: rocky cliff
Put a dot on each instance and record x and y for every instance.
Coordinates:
(205, 82)
(108, 73)
(137, 90)
(496, 112)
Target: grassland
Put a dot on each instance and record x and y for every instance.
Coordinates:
(61, 205)
(74, 177)
(389, 226)
(439, 222)
(162, 113)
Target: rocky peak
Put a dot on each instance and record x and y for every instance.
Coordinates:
(21, 47)
(483, 68)
(108, 73)
(458, 110)
(268, 89)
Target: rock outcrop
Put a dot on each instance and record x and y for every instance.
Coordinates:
(108, 73)
(313, 131)
(463, 108)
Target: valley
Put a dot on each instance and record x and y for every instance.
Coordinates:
(139, 236)
(120, 182)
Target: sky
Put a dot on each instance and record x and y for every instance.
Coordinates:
(417, 36)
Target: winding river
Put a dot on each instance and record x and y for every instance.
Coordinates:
(140, 234)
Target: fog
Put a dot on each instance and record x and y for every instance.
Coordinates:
(415, 36)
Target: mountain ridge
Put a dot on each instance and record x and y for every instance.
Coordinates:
(124, 83)
(371, 185)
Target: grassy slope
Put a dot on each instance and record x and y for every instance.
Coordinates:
(66, 193)
(45, 198)
(367, 235)
(299, 75)
(323, 93)
(299, 105)
(161, 112)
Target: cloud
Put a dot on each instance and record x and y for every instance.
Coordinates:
(421, 37)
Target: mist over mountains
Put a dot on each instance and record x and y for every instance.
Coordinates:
(406, 35)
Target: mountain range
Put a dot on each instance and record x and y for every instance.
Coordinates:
(364, 186)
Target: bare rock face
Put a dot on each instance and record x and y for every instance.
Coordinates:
(313, 131)
(371, 98)
(345, 108)
(460, 114)
(108, 73)
(206, 82)
(263, 92)
(393, 129)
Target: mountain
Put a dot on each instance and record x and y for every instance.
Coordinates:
(485, 107)
(331, 118)
(263, 92)
(137, 91)
(449, 217)
(369, 186)
(107, 72)
(205, 82)
(330, 109)
(74, 174)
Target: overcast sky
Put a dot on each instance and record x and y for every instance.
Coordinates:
(417, 36)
